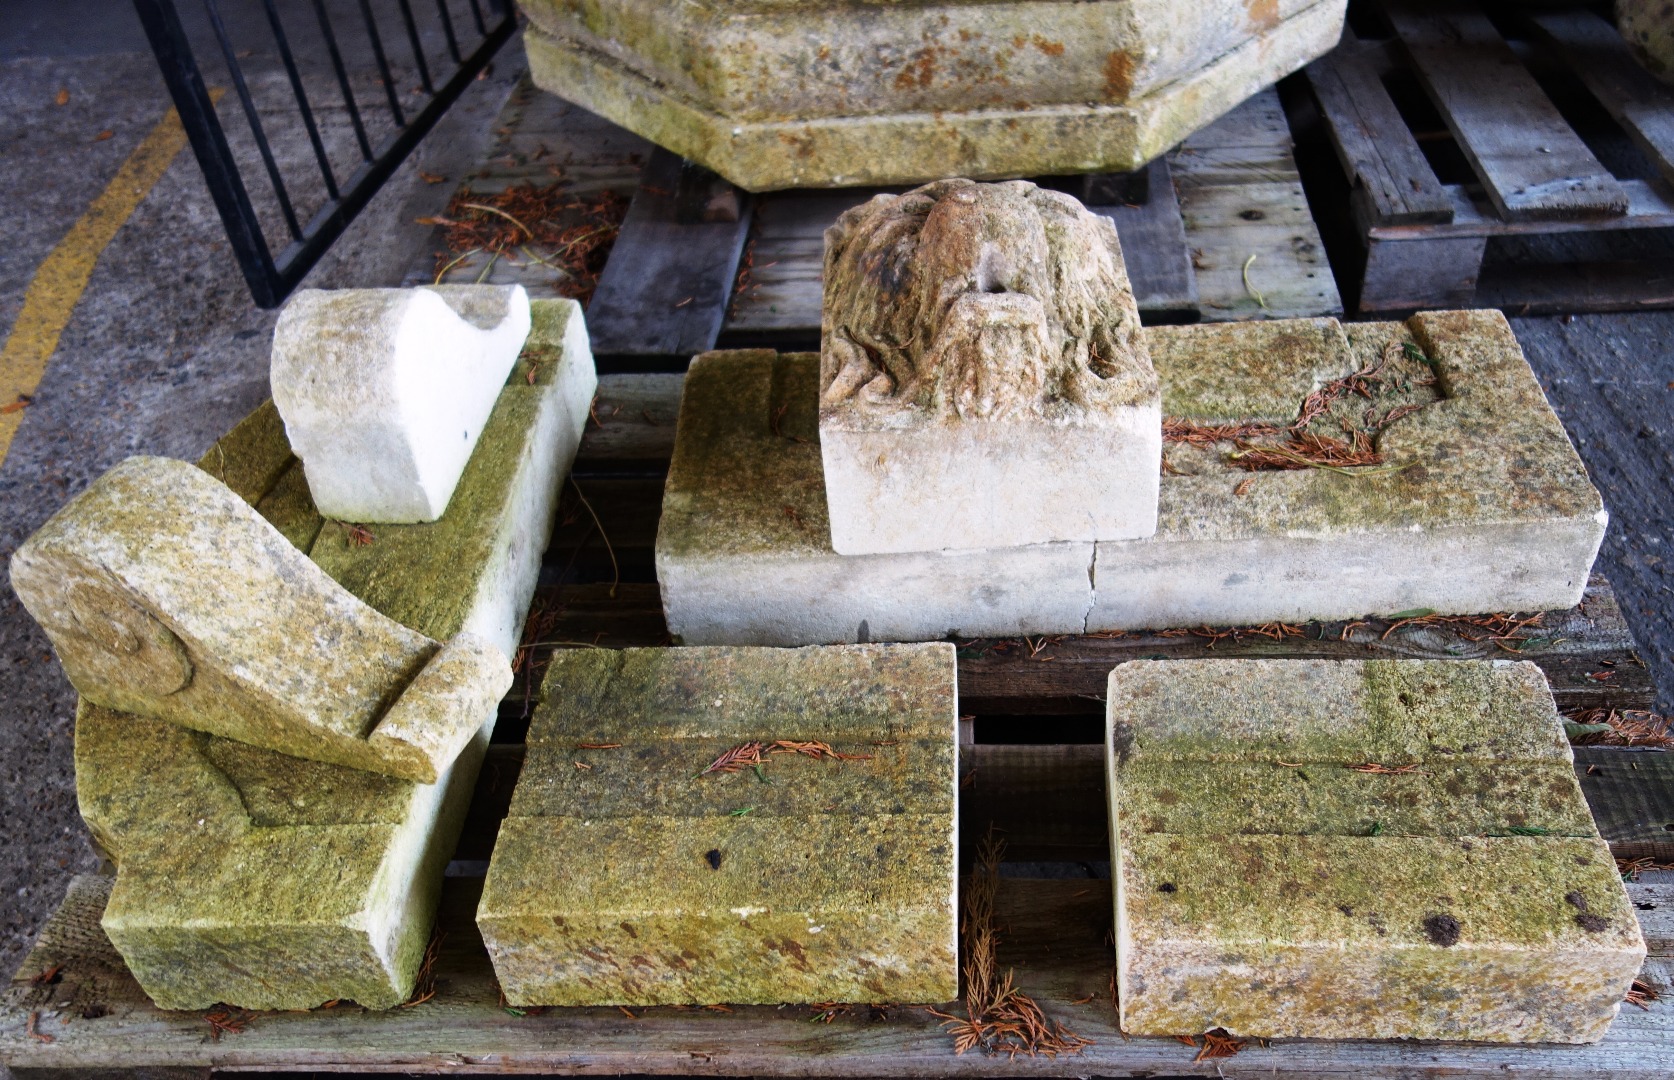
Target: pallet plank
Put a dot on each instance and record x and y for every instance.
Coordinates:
(664, 291)
(1374, 144)
(1598, 55)
(1153, 236)
(1055, 937)
(1631, 794)
(1532, 162)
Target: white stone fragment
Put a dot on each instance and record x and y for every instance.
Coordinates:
(384, 392)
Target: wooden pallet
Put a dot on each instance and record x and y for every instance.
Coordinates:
(1218, 229)
(1032, 765)
(1455, 130)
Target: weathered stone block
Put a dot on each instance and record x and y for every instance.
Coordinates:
(1358, 849)
(813, 94)
(262, 880)
(1479, 503)
(744, 551)
(384, 392)
(983, 378)
(627, 874)
(167, 595)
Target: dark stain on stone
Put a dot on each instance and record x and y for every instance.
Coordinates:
(1167, 887)
(628, 928)
(1593, 924)
(713, 857)
(790, 950)
(1442, 929)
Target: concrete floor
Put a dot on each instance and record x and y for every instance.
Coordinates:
(165, 352)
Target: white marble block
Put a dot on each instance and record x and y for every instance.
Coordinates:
(384, 392)
(984, 382)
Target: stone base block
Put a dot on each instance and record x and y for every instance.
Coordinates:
(628, 874)
(1481, 504)
(1354, 850)
(743, 549)
(261, 880)
(954, 487)
(832, 95)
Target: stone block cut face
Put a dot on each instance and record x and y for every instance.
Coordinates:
(267, 881)
(167, 595)
(984, 381)
(739, 825)
(807, 93)
(1358, 849)
(384, 392)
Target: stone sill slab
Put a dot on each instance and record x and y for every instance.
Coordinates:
(1492, 510)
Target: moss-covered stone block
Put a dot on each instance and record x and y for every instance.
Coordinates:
(261, 880)
(625, 874)
(1479, 504)
(1358, 849)
(807, 93)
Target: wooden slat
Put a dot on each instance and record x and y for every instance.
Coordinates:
(1632, 798)
(1154, 248)
(665, 289)
(1648, 208)
(1054, 937)
(1598, 55)
(1532, 162)
(632, 423)
(1374, 144)
(1407, 275)
(1240, 195)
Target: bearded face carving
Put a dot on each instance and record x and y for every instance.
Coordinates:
(978, 302)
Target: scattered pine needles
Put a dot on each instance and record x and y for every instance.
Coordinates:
(999, 1018)
(1626, 727)
(548, 225)
(1642, 993)
(1630, 869)
(756, 753)
(1305, 449)
(424, 986)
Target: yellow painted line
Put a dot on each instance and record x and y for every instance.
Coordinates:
(62, 276)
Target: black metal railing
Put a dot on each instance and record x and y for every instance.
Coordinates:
(486, 23)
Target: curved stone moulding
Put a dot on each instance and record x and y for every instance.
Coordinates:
(815, 94)
(385, 392)
(258, 879)
(168, 596)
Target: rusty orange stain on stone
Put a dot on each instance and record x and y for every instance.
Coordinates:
(1118, 73)
(1264, 14)
(1051, 48)
(919, 72)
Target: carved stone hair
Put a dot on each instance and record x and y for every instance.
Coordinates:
(977, 301)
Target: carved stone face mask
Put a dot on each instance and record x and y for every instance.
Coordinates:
(982, 301)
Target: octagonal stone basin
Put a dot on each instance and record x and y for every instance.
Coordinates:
(811, 93)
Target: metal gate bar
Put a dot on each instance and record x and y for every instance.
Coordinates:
(272, 278)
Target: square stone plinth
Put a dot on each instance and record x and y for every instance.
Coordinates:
(261, 880)
(627, 875)
(1481, 504)
(1358, 849)
(807, 93)
(744, 551)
